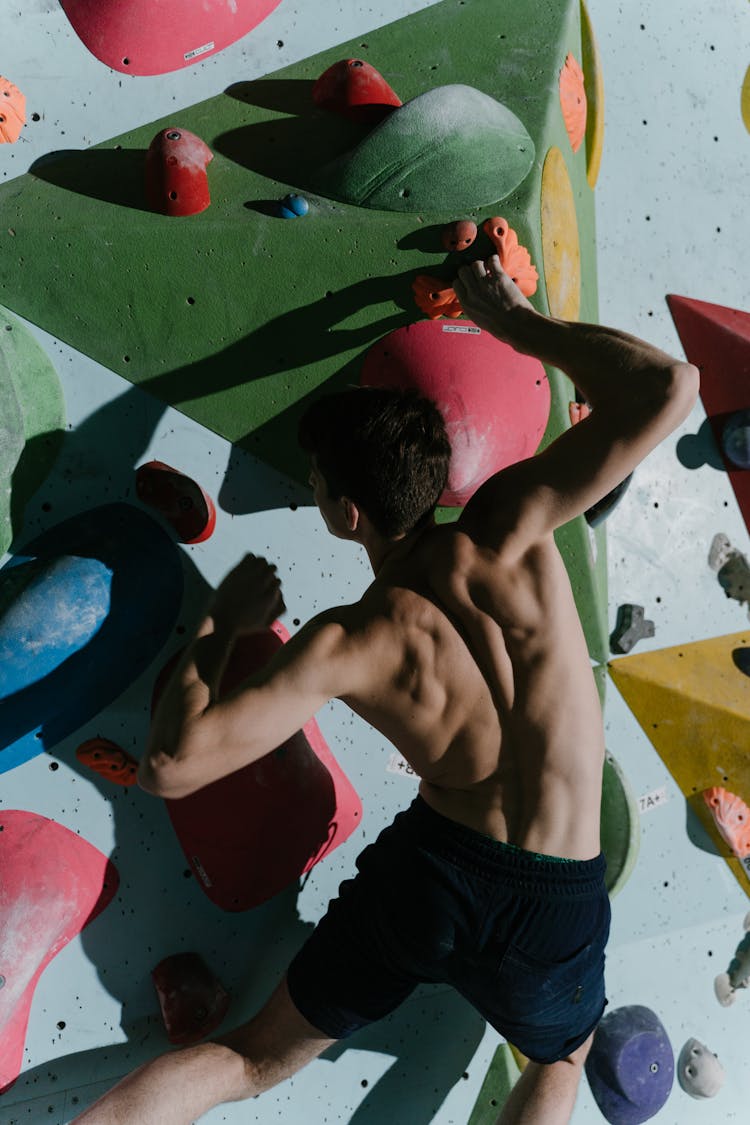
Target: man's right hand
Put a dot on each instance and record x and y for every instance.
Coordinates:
(494, 302)
(249, 597)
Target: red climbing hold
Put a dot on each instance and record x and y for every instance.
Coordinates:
(176, 179)
(108, 759)
(458, 235)
(178, 498)
(193, 1001)
(355, 90)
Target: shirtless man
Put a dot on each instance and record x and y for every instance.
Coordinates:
(466, 652)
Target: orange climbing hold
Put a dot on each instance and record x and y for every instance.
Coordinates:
(731, 817)
(108, 759)
(514, 258)
(435, 297)
(12, 112)
(573, 101)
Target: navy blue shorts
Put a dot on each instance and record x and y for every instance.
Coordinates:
(521, 936)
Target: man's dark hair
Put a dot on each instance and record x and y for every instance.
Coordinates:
(386, 450)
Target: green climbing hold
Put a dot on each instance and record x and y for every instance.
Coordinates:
(32, 418)
(450, 149)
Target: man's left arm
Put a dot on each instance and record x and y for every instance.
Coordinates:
(198, 736)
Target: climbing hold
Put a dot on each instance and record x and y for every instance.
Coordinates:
(108, 759)
(32, 417)
(458, 235)
(630, 1067)
(54, 883)
(630, 627)
(72, 613)
(593, 82)
(717, 340)
(453, 148)
(292, 206)
(737, 975)
(12, 112)
(735, 439)
(561, 248)
(178, 498)
(732, 569)
(141, 37)
(193, 1000)
(435, 297)
(573, 101)
(731, 817)
(354, 89)
(494, 400)
(249, 835)
(515, 259)
(176, 179)
(699, 1071)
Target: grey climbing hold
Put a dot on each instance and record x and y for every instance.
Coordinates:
(630, 627)
(699, 1071)
(732, 569)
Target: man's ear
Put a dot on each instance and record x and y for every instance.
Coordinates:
(351, 514)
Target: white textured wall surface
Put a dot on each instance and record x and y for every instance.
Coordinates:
(671, 217)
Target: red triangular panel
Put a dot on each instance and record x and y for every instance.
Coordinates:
(717, 340)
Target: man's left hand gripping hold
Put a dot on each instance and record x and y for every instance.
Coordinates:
(196, 735)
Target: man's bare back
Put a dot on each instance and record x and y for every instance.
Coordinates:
(467, 653)
(468, 666)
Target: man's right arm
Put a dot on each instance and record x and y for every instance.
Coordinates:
(637, 393)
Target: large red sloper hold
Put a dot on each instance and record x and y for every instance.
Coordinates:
(150, 37)
(355, 90)
(52, 884)
(495, 402)
(717, 340)
(249, 835)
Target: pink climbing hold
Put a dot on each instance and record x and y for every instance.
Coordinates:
(193, 1001)
(178, 498)
(176, 178)
(494, 400)
(354, 89)
(732, 819)
(148, 37)
(52, 884)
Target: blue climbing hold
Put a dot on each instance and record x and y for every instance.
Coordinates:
(83, 611)
(735, 439)
(292, 206)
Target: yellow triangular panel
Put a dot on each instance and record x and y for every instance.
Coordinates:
(693, 702)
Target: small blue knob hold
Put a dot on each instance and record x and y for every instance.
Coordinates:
(735, 439)
(293, 206)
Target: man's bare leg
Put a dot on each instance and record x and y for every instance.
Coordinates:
(545, 1095)
(177, 1088)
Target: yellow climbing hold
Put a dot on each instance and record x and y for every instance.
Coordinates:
(693, 702)
(593, 84)
(745, 102)
(560, 246)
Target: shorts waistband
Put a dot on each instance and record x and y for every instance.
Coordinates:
(472, 850)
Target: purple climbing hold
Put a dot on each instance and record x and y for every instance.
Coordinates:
(630, 1067)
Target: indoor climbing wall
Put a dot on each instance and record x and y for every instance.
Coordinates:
(195, 242)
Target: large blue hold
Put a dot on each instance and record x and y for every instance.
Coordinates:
(83, 611)
(630, 1067)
